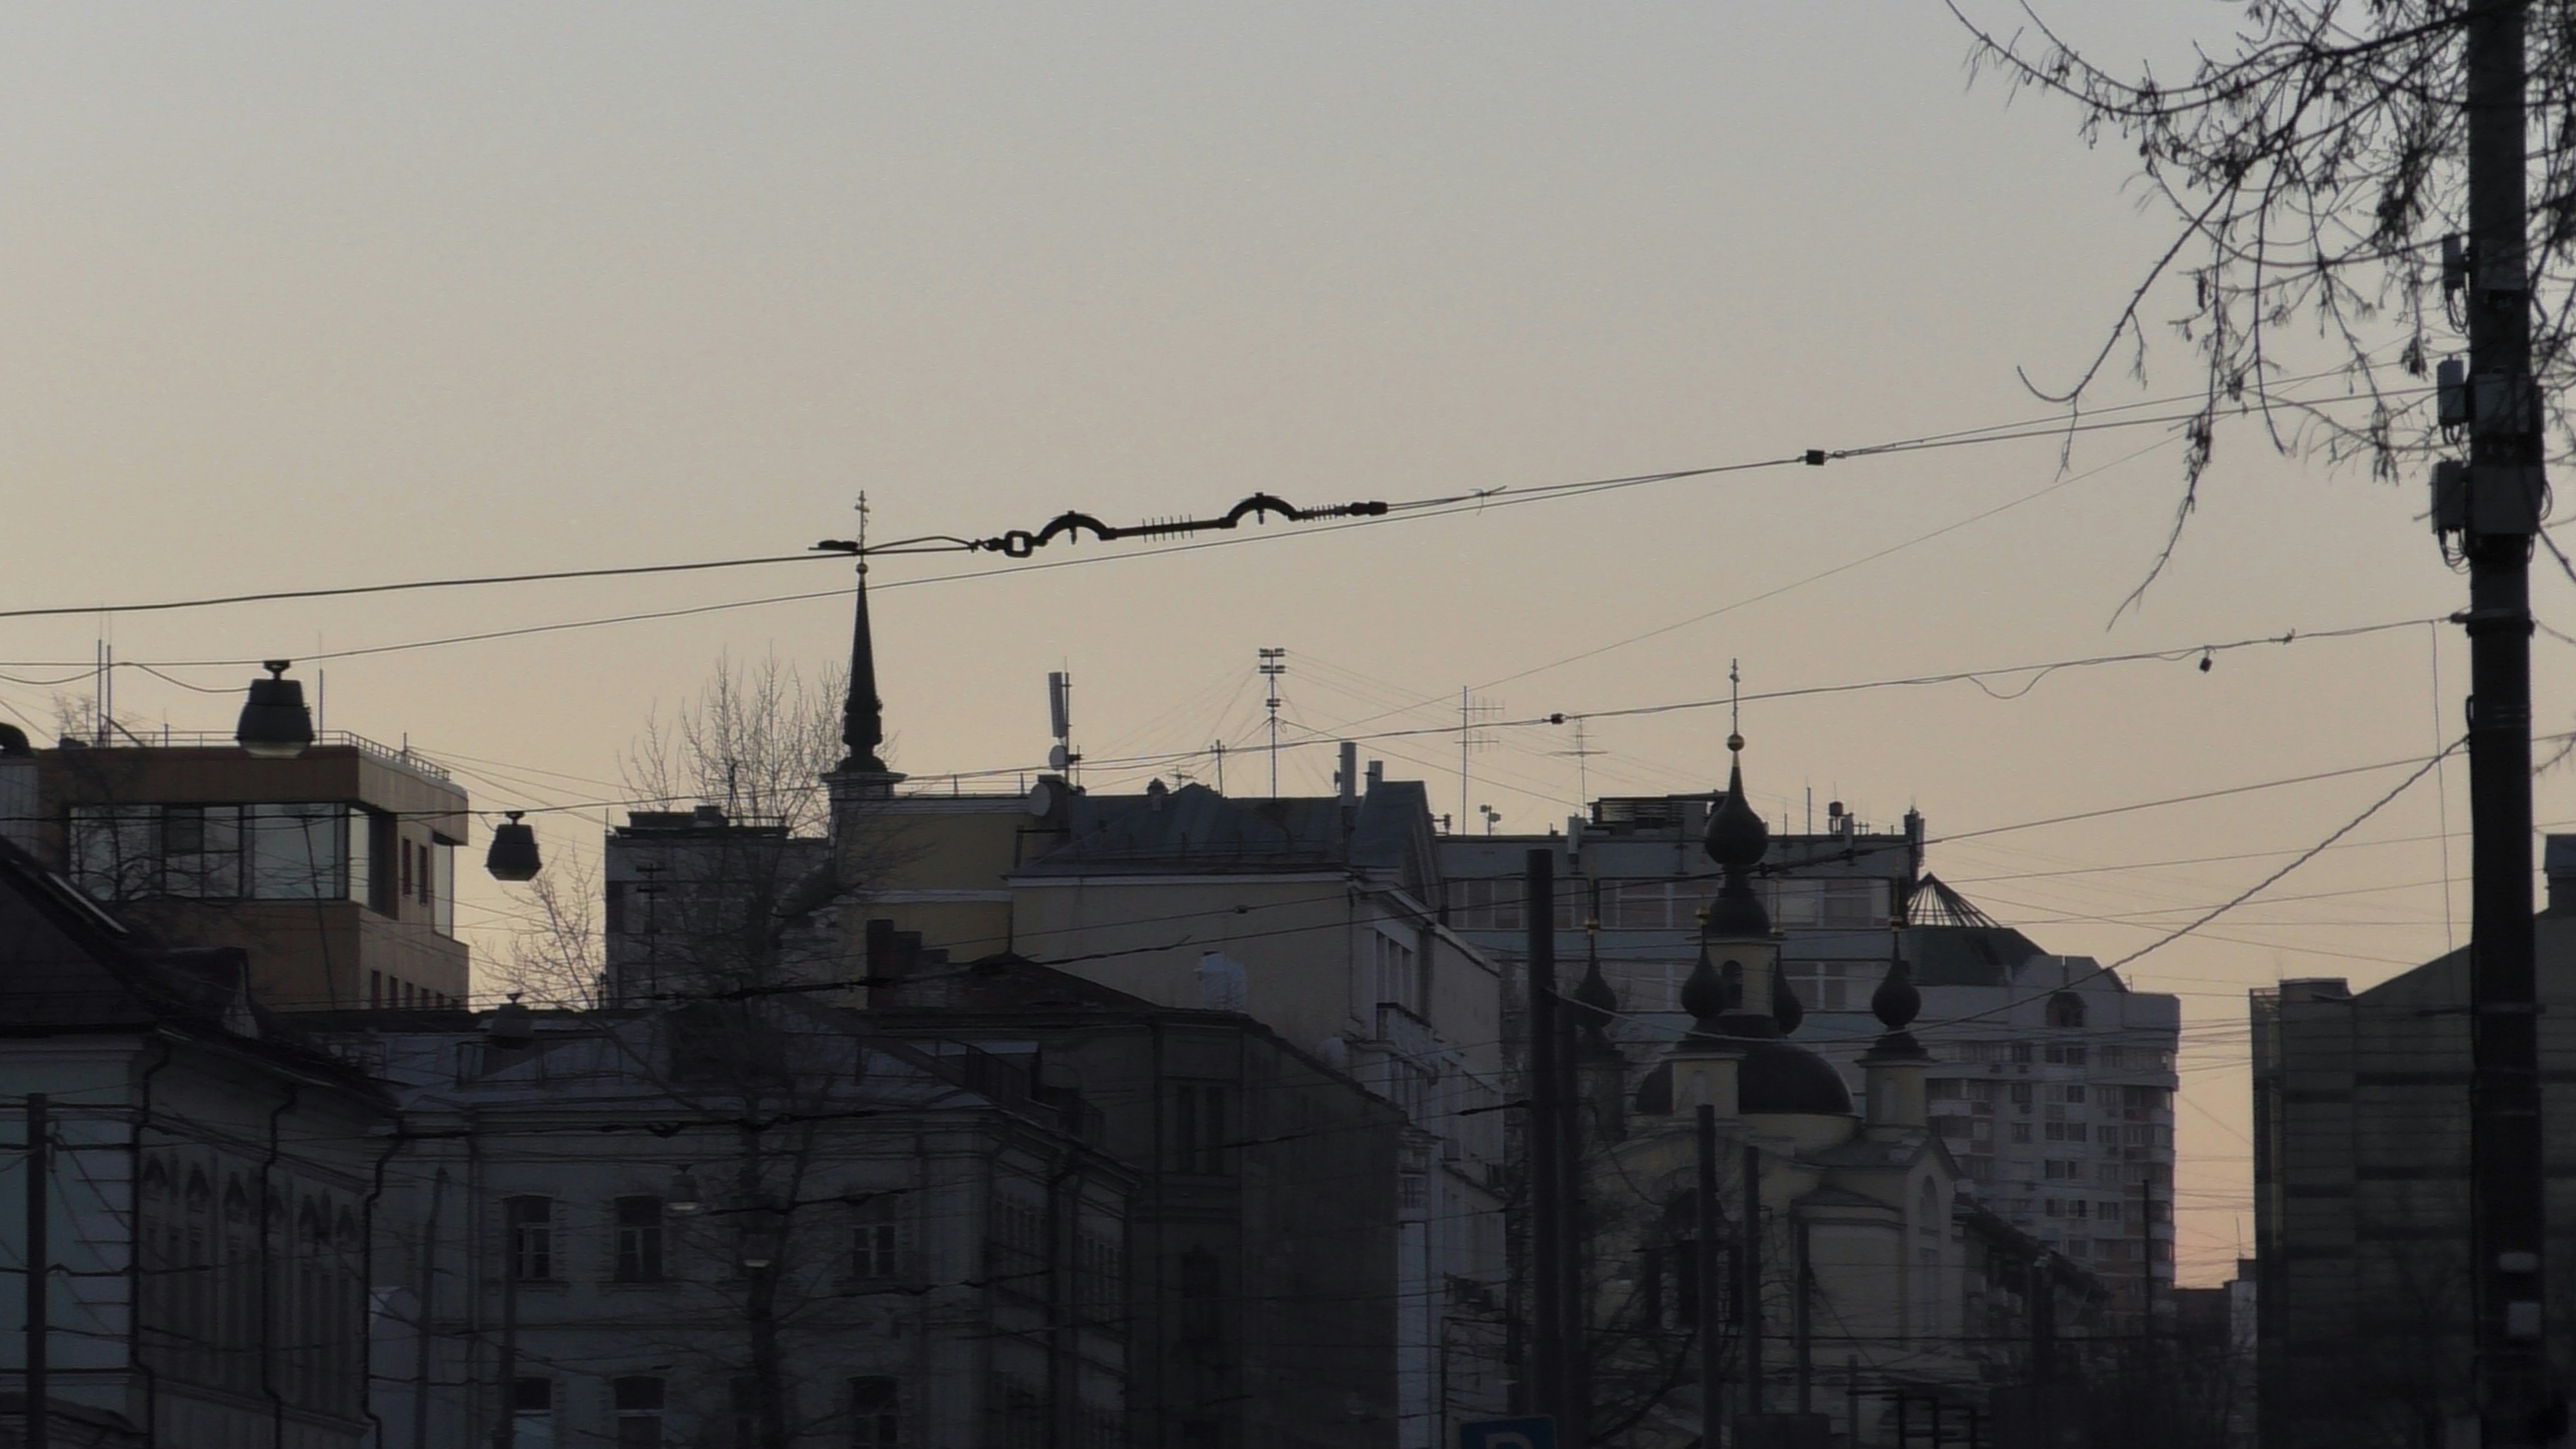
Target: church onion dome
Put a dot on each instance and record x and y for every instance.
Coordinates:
(1594, 1002)
(1737, 838)
(1737, 913)
(1778, 1076)
(1786, 1008)
(1896, 1003)
(1703, 995)
(1774, 1078)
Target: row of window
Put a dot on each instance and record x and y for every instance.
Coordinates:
(641, 1409)
(1501, 903)
(234, 1297)
(394, 992)
(641, 1248)
(263, 852)
(2057, 1095)
(2118, 1058)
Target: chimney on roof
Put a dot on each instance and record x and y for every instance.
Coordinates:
(2558, 862)
(1346, 779)
(1376, 773)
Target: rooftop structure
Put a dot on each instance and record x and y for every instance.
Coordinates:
(334, 868)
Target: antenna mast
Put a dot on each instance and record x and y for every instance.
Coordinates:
(1274, 663)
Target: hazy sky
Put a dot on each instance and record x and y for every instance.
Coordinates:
(312, 295)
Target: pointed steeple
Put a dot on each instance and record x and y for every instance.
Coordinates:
(863, 716)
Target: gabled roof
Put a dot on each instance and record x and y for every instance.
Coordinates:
(1001, 983)
(69, 967)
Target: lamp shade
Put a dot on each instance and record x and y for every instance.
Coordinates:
(513, 855)
(684, 1200)
(275, 725)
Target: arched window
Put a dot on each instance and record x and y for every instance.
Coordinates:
(233, 1324)
(2066, 1009)
(192, 1300)
(350, 1316)
(309, 1329)
(156, 1228)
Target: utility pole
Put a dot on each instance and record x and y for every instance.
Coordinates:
(1712, 1365)
(1547, 1180)
(2147, 1254)
(2505, 486)
(1274, 663)
(1750, 1284)
(505, 1431)
(1804, 1327)
(1574, 1409)
(40, 1271)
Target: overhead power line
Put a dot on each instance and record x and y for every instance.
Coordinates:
(1020, 543)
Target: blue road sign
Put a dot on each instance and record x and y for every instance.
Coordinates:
(1532, 1433)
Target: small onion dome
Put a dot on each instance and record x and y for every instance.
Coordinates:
(1594, 1003)
(1703, 995)
(1737, 838)
(1896, 1002)
(513, 855)
(275, 725)
(1786, 1008)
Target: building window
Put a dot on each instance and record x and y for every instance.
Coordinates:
(639, 1240)
(531, 1224)
(639, 1413)
(1399, 975)
(2066, 1010)
(2070, 1055)
(1825, 985)
(532, 1413)
(2021, 1132)
(298, 852)
(1202, 1298)
(1199, 1130)
(876, 1414)
(873, 1237)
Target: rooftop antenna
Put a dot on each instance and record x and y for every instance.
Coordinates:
(1471, 713)
(1274, 663)
(1060, 756)
(1582, 753)
(1218, 749)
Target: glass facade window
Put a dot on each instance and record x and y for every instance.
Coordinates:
(298, 852)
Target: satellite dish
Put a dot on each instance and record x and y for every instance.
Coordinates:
(1042, 799)
(1058, 757)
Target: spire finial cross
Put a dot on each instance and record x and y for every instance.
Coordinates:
(1734, 708)
(861, 508)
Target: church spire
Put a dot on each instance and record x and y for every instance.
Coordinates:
(863, 716)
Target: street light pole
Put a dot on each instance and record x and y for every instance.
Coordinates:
(39, 1430)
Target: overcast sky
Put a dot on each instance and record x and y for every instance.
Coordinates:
(313, 295)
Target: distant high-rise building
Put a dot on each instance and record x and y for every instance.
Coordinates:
(2052, 1081)
(2361, 1189)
